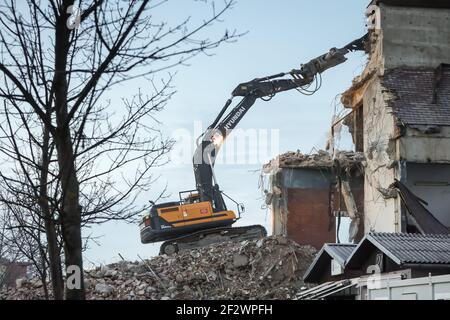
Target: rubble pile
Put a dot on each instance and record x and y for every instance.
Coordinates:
(269, 268)
(321, 159)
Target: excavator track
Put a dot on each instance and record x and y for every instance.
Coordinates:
(210, 236)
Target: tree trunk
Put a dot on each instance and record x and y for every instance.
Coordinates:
(54, 252)
(70, 213)
(54, 255)
(43, 271)
(70, 210)
(43, 279)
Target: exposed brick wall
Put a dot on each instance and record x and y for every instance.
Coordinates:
(308, 217)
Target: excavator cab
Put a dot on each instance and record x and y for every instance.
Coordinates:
(192, 197)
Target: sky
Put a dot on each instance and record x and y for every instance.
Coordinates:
(280, 36)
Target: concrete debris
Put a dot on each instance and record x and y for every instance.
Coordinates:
(269, 268)
(321, 159)
(388, 193)
(103, 289)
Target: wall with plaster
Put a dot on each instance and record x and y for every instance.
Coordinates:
(380, 148)
(278, 203)
(403, 37)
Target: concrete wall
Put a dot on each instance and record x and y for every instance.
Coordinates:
(406, 37)
(428, 168)
(419, 147)
(428, 181)
(414, 37)
(278, 205)
(380, 148)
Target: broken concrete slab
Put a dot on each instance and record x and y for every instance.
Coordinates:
(321, 159)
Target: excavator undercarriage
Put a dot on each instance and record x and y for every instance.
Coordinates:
(211, 236)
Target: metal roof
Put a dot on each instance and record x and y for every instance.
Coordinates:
(338, 251)
(404, 248)
(422, 96)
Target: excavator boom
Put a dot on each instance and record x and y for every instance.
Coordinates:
(202, 217)
(266, 87)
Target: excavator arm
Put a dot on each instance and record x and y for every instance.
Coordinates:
(202, 218)
(264, 88)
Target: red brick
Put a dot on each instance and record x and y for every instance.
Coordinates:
(309, 220)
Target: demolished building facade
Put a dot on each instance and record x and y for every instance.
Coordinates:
(310, 194)
(401, 112)
(399, 119)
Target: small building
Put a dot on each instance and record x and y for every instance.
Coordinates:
(329, 263)
(10, 271)
(385, 287)
(416, 254)
(310, 194)
(412, 255)
(382, 266)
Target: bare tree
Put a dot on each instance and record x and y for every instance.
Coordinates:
(91, 156)
(25, 243)
(24, 192)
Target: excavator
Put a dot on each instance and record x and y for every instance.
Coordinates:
(200, 217)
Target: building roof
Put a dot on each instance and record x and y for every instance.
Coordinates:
(415, 3)
(337, 251)
(422, 96)
(4, 262)
(340, 251)
(404, 249)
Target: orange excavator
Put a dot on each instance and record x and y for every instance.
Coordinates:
(200, 217)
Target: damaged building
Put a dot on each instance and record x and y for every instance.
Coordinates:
(388, 266)
(400, 115)
(310, 194)
(399, 119)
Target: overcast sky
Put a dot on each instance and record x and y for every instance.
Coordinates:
(281, 35)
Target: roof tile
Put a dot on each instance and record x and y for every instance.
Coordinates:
(415, 248)
(422, 96)
(340, 251)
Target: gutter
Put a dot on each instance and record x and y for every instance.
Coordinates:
(426, 266)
